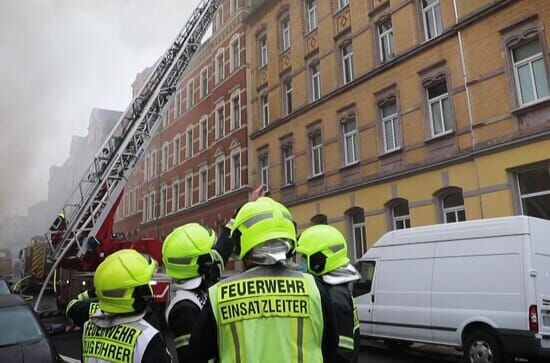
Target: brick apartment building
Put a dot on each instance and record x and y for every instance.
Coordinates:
(376, 115)
(196, 167)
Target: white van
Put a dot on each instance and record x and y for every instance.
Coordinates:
(481, 286)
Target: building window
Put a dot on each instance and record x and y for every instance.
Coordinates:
(235, 58)
(153, 206)
(145, 167)
(164, 157)
(315, 76)
(385, 40)
(204, 82)
(358, 232)
(349, 130)
(203, 184)
(390, 126)
(177, 149)
(288, 164)
(177, 102)
(190, 93)
(175, 196)
(287, 90)
(318, 219)
(155, 163)
(236, 110)
(347, 63)
(220, 66)
(534, 191)
(264, 170)
(188, 190)
(453, 207)
(220, 176)
(342, 4)
(311, 11)
(316, 154)
(189, 142)
(264, 104)
(439, 108)
(163, 200)
(285, 34)
(236, 170)
(431, 13)
(262, 45)
(220, 120)
(401, 218)
(530, 72)
(204, 133)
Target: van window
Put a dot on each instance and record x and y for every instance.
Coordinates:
(364, 285)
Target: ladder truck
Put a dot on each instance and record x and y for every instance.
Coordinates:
(83, 237)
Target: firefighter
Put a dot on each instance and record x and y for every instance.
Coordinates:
(323, 250)
(118, 330)
(270, 312)
(193, 266)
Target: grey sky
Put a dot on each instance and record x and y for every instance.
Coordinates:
(58, 59)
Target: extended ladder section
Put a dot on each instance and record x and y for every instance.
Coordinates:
(104, 180)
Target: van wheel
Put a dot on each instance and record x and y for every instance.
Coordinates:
(397, 345)
(482, 347)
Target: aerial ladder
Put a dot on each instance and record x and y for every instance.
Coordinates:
(96, 196)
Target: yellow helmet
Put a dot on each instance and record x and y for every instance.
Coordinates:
(263, 220)
(184, 250)
(324, 247)
(122, 282)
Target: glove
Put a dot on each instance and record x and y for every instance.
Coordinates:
(87, 295)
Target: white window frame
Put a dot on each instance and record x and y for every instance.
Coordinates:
(146, 168)
(285, 34)
(155, 163)
(342, 4)
(189, 190)
(203, 133)
(311, 14)
(397, 219)
(316, 154)
(385, 41)
(431, 9)
(264, 169)
(164, 157)
(288, 164)
(528, 61)
(361, 226)
(236, 176)
(176, 160)
(262, 47)
(264, 108)
(153, 200)
(177, 100)
(163, 200)
(204, 82)
(203, 184)
(392, 119)
(287, 96)
(144, 209)
(220, 120)
(175, 196)
(315, 74)
(529, 195)
(350, 136)
(347, 63)
(439, 100)
(220, 65)
(235, 59)
(189, 142)
(453, 210)
(235, 117)
(220, 177)
(190, 93)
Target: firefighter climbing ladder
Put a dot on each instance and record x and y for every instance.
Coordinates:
(104, 180)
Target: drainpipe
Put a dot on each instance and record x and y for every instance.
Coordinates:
(469, 104)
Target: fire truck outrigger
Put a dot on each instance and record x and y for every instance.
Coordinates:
(82, 235)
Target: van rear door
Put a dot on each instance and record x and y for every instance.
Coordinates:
(540, 237)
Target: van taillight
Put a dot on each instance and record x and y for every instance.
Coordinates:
(533, 319)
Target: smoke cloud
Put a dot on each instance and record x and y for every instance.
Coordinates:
(58, 60)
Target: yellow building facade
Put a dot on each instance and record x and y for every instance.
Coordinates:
(377, 115)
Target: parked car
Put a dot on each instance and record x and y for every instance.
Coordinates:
(22, 338)
(481, 286)
(4, 288)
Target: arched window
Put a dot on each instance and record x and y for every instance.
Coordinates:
(319, 219)
(357, 232)
(451, 203)
(398, 210)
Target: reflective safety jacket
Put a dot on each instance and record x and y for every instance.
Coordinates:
(125, 343)
(268, 314)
